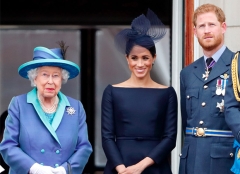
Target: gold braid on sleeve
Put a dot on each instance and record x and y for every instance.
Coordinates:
(235, 79)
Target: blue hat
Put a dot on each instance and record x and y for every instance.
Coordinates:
(145, 31)
(43, 56)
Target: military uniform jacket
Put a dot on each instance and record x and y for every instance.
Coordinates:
(199, 108)
(29, 138)
(232, 112)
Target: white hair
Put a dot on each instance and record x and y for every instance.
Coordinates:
(32, 74)
(65, 76)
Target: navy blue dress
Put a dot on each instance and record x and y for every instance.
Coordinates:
(139, 123)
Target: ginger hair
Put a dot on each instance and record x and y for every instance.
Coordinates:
(205, 8)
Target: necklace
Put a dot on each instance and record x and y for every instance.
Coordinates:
(51, 109)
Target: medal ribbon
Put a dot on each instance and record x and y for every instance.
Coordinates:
(210, 65)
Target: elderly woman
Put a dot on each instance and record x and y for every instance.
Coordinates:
(46, 131)
(139, 115)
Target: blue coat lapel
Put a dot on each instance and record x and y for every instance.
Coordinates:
(221, 66)
(199, 68)
(63, 102)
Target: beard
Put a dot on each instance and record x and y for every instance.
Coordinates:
(208, 46)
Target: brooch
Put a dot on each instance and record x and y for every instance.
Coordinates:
(70, 110)
(221, 105)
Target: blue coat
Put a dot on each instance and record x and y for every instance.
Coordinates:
(29, 138)
(232, 112)
(211, 154)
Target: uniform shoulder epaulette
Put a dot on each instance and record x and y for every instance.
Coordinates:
(235, 78)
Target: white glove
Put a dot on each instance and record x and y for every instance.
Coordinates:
(59, 170)
(39, 169)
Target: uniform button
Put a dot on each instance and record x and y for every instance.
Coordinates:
(188, 97)
(205, 86)
(57, 151)
(180, 154)
(42, 151)
(231, 154)
(56, 165)
(201, 122)
(41, 164)
(203, 104)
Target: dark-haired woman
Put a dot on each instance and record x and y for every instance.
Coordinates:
(139, 115)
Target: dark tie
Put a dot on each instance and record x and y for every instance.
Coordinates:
(208, 61)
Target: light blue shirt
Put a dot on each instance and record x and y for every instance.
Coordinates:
(217, 55)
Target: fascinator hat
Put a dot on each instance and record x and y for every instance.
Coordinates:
(145, 31)
(43, 56)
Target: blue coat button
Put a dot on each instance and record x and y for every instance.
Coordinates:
(57, 151)
(56, 165)
(42, 151)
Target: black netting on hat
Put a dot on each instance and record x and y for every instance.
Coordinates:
(145, 31)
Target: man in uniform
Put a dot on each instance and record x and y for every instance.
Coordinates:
(208, 141)
(232, 108)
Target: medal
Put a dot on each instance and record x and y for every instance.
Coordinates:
(206, 75)
(219, 87)
(207, 72)
(224, 82)
(221, 106)
(224, 76)
(224, 87)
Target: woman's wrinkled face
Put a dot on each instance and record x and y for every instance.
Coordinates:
(140, 61)
(48, 81)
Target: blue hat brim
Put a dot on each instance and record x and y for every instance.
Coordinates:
(71, 67)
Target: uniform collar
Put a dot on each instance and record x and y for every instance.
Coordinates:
(216, 55)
